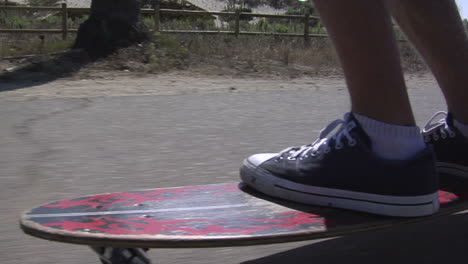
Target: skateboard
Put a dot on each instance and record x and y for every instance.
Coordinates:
(121, 227)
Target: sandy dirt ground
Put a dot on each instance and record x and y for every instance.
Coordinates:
(174, 83)
(163, 84)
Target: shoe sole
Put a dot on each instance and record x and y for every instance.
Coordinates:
(452, 169)
(399, 206)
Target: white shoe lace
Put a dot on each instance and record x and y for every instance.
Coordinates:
(321, 145)
(431, 128)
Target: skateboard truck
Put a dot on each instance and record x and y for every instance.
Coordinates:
(110, 255)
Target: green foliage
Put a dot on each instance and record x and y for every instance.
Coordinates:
(295, 11)
(274, 3)
(164, 52)
(149, 21)
(31, 44)
(39, 20)
(151, 53)
(288, 3)
(8, 51)
(300, 10)
(56, 46)
(233, 8)
(170, 4)
(196, 23)
(44, 2)
(245, 9)
(53, 20)
(170, 45)
(14, 21)
(278, 28)
(294, 6)
(262, 25)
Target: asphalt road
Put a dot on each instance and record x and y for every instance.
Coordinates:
(62, 148)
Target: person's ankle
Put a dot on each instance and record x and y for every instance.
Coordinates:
(463, 128)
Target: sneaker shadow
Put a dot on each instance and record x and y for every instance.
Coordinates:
(44, 69)
(428, 240)
(434, 241)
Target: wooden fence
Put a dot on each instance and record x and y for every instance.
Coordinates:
(156, 12)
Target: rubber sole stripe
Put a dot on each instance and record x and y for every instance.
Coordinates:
(353, 199)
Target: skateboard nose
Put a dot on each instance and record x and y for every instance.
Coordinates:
(258, 159)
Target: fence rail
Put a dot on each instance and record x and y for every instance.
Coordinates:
(156, 12)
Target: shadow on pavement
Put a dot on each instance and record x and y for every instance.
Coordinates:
(44, 69)
(435, 241)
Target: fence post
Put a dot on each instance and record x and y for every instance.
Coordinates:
(306, 27)
(64, 21)
(237, 29)
(156, 15)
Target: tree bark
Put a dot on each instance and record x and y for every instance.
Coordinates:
(112, 24)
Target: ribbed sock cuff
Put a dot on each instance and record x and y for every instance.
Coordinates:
(393, 142)
(376, 127)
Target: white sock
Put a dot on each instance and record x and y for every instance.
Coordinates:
(390, 141)
(461, 127)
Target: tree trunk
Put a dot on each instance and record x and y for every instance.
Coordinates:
(111, 25)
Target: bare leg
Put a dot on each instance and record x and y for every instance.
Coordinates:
(362, 33)
(436, 29)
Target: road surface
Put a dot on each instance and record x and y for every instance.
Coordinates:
(65, 147)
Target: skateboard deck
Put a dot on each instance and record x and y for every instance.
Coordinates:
(206, 216)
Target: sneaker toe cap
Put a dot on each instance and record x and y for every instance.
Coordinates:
(258, 159)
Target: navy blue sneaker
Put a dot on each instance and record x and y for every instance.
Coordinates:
(450, 146)
(341, 171)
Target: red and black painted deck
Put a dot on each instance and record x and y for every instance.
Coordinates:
(205, 216)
